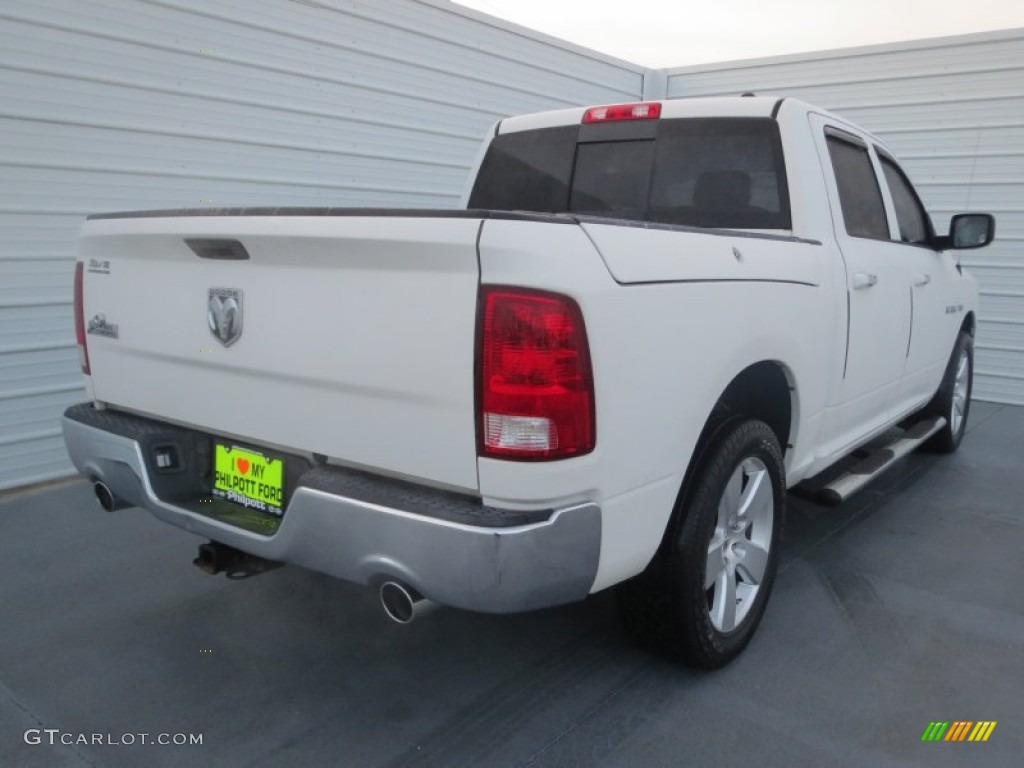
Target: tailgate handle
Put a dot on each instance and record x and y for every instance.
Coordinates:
(222, 250)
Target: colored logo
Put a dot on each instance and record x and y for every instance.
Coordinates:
(958, 730)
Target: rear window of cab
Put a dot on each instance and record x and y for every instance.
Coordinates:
(702, 172)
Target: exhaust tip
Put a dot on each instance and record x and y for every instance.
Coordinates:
(104, 496)
(402, 603)
(398, 602)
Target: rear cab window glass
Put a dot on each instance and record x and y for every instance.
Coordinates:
(859, 195)
(911, 217)
(720, 172)
(612, 177)
(527, 171)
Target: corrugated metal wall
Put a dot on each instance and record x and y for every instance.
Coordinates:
(953, 111)
(128, 104)
(120, 104)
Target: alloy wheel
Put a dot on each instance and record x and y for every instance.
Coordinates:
(737, 555)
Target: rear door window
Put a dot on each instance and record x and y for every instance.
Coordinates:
(859, 195)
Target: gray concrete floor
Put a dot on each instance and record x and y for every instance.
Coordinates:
(902, 606)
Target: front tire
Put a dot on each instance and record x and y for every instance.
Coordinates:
(702, 599)
(953, 400)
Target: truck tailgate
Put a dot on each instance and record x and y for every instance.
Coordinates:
(356, 335)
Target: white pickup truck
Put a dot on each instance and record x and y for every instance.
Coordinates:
(648, 322)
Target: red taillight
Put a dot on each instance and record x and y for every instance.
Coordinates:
(535, 389)
(83, 350)
(646, 110)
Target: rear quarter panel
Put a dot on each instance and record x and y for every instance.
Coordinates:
(662, 352)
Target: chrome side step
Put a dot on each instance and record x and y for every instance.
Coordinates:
(870, 467)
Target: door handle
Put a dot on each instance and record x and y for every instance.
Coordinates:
(922, 279)
(864, 280)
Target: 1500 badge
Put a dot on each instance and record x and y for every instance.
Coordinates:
(952, 309)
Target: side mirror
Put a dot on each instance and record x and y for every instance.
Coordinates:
(969, 230)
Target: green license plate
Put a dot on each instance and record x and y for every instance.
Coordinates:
(248, 478)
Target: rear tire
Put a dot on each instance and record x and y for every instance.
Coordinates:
(702, 598)
(953, 400)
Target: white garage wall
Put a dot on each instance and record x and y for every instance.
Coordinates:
(132, 104)
(953, 111)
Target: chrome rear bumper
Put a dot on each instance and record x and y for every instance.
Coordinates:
(365, 529)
